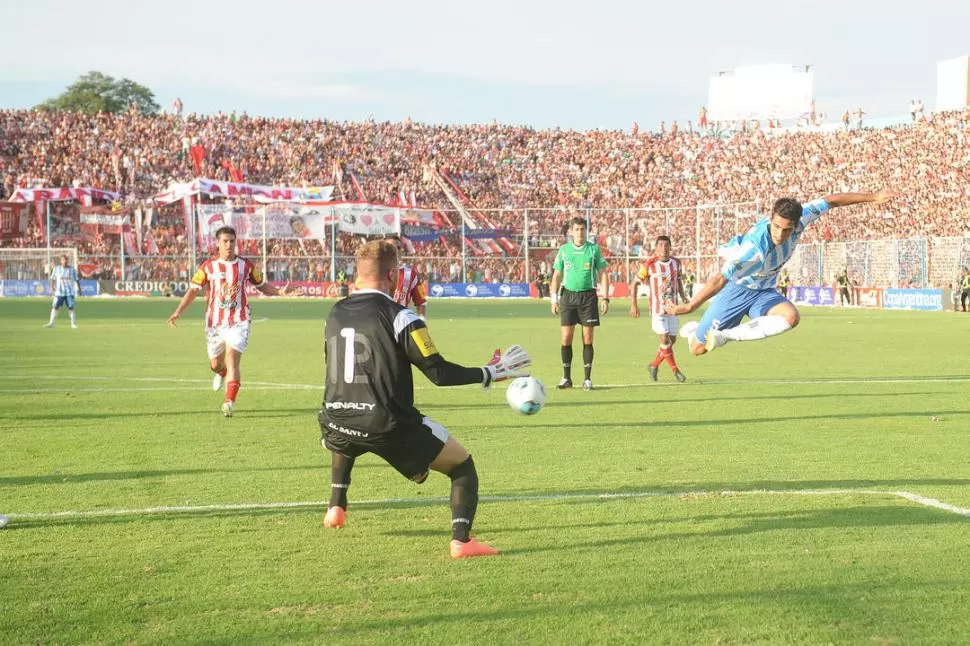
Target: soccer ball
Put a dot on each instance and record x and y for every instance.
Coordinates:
(526, 395)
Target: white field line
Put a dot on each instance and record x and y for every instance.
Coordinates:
(320, 504)
(270, 385)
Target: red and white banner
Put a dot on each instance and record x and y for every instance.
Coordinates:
(13, 220)
(255, 192)
(97, 220)
(84, 195)
(128, 238)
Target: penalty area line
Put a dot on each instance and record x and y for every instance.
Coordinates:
(384, 502)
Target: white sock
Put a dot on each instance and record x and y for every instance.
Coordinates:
(73, 318)
(53, 317)
(759, 328)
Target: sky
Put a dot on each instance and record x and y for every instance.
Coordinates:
(569, 64)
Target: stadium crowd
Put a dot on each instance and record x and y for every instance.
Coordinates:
(501, 169)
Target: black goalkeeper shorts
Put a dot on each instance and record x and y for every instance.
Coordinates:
(410, 448)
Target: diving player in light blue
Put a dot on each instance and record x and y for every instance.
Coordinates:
(749, 273)
(65, 287)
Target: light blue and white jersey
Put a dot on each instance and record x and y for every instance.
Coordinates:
(752, 260)
(65, 281)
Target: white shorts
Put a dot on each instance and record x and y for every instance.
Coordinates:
(217, 338)
(664, 324)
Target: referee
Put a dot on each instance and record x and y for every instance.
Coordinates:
(578, 267)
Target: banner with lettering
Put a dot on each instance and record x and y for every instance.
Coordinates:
(913, 299)
(97, 220)
(811, 295)
(10, 288)
(66, 194)
(243, 191)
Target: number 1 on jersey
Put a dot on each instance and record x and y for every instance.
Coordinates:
(351, 357)
(348, 333)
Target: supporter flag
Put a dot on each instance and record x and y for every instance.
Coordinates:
(187, 211)
(40, 210)
(152, 246)
(129, 242)
(234, 173)
(360, 191)
(197, 153)
(13, 220)
(138, 229)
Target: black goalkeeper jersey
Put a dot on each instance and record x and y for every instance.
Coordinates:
(371, 343)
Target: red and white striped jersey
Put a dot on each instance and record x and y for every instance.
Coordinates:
(409, 288)
(226, 302)
(663, 277)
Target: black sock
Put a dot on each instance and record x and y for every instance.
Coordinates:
(567, 360)
(339, 479)
(587, 359)
(464, 499)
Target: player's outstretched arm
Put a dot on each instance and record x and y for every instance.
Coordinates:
(423, 353)
(185, 302)
(848, 199)
(714, 284)
(514, 362)
(269, 290)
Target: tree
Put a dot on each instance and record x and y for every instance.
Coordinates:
(96, 92)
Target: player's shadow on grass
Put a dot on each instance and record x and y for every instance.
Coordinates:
(211, 412)
(717, 487)
(863, 516)
(558, 402)
(75, 478)
(747, 420)
(567, 622)
(314, 511)
(860, 516)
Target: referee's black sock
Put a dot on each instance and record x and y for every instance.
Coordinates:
(567, 360)
(339, 479)
(587, 359)
(464, 499)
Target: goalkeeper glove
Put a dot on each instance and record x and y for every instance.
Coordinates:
(514, 363)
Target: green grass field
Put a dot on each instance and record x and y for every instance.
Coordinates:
(784, 494)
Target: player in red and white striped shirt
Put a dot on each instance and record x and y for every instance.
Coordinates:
(661, 273)
(409, 288)
(227, 316)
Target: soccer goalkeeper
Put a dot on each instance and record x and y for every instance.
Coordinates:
(371, 344)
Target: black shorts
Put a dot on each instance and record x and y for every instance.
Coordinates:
(410, 449)
(579, 308)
